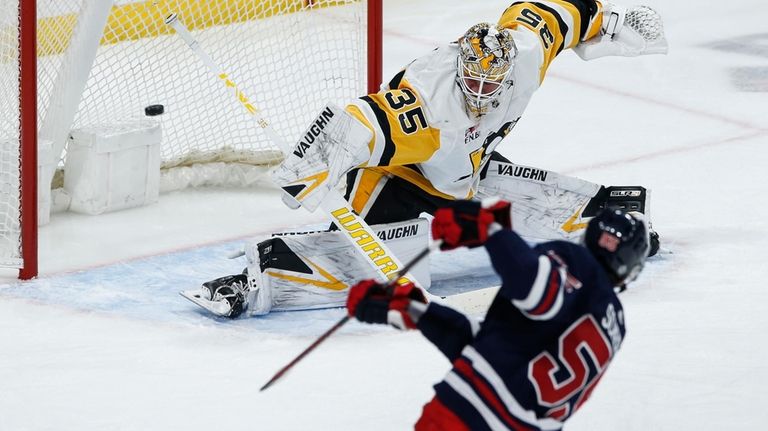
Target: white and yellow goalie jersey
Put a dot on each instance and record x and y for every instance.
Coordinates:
(422, 132)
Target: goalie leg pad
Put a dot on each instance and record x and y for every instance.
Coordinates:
(545, 205)
(315, 270)
(625, 198)
(549, 206)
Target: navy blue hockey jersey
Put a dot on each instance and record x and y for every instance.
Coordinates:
(545, 342)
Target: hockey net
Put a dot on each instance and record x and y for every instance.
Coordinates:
(10, 233)
(101, 63)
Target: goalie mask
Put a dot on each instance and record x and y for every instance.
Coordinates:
(486, 55)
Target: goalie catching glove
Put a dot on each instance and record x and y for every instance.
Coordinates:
(470, 223)
(400, 305)
(627, 32)
(333, 145)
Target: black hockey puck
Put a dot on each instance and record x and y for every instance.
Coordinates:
(153, 110)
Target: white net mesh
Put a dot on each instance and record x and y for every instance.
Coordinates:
(290, 57)
(10, 245)
(101, 62)
(646, 22)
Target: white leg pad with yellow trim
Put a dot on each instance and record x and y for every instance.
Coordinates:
(545, 205)
(315, 269)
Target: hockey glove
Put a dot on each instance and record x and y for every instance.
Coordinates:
(629, 32)
(372, 302)
(467, 223)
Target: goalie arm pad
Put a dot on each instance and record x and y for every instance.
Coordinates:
(334, 144)
(627, 32)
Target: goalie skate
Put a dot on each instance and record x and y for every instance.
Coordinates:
(218, 308)
(224, 297)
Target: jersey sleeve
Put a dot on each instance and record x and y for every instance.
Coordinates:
(449, 330)
(558, 24)
(401, 133)
(533, 282)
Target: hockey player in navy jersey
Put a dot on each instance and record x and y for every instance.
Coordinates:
(549, 335)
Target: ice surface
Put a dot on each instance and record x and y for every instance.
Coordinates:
(103, 342)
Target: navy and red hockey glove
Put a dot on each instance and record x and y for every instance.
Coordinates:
(466, 223)
(373, 302)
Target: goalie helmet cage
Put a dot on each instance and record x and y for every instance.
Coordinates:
(99, 63)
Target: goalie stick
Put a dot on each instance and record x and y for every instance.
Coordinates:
(356, 230)
(422, 254)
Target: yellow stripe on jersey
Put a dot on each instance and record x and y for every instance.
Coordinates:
(415, 178)
(544, 23)
(402, 122)
(595, 23)
(366, 184)
(575, 16)
(556, 22)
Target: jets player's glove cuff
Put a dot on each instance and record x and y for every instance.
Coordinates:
(372, 302)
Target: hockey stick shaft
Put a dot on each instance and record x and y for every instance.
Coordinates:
(422, 254)
(364, 240)
(306, 351)
(182, 30)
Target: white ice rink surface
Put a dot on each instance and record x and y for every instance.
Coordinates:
(113, 347)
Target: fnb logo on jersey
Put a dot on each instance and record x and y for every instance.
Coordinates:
(347, 222)
(314, 131)
(471, 134)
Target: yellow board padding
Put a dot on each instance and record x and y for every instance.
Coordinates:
(146, 19)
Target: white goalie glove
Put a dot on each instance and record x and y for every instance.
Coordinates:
(628, 32)
(334, 144)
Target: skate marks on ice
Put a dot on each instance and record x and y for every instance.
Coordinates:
(749, 76)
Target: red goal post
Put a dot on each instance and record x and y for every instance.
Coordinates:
(100, 63)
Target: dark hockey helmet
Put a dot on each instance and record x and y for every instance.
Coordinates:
(619, 241)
